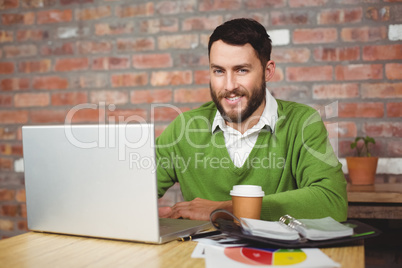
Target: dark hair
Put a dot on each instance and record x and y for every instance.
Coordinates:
(243, 31)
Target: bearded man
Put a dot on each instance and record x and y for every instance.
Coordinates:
(246, 136)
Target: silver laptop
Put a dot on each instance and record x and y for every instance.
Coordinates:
(97, 181)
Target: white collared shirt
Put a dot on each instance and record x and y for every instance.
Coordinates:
(240, 145)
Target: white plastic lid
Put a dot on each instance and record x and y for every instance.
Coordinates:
(247, 191)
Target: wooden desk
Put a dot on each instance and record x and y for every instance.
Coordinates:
(50, 250)
(378, 201)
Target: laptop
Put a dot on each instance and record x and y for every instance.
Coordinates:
(97, 181)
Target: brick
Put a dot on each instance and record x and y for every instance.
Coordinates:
(381, 90)
(111, 63)
(314, 73)
(70, 2)
(175, 7)
(11, 149)
(383, 129)
(201, 77)
(135, 44)
(41, 66)
(6, 225)
(394, 148)
(182, 41)
(13, 117)
(109, 96)
(20, 195)
(336, 91)
(94, 13)
(393, 71)
(23, 210)
(159, 25)
(92, 80)
(31, 99)
(6, 36)
(315, 36)
(54, 16)
(362, 110)
(87, 115)
(166, 113)
(72, 64)
(23, 225)
(378, 13)
(364, 34)
(58, 50)
(47, 116)
(384, 52)
(37, 3)
(193, 59)
(8, 4)
(114, 28)
(343, 129)
(394, 109)
(164, 78)
(6, 101)
(158, 131)
(17, 51)
(126, 11)
(289, 18)
(129, 79)
(284, 55)
(50, 82)
(127, 115)
(359, 72)
(214, 5)
(295, 93)
(7, 133)
(6, 67)
(278, 75)
(14, 84)
(192, 95)
(147, 61)
(73, 32)
(337, 54)
(7, 194)
(338, 16)
(201, 23)
(92, 47)
(32, 35)
(9, 210)
(69, 98)
(307, 3)
(16, 19)
(6, 164)
(151, 96)
(258, 4)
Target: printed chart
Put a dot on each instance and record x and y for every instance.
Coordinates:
(256, 256)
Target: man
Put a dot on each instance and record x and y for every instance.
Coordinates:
(245, 136)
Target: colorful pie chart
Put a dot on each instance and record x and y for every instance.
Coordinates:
(257, 256)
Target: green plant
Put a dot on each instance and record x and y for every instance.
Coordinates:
(363, 149)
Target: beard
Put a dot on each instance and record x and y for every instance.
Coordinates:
(254, 101)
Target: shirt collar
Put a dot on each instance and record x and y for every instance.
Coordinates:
(267, 120)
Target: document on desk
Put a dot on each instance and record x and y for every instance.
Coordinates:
(243, 257)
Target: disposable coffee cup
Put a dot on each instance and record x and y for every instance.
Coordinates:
(247, 201)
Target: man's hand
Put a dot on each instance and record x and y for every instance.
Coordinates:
(197, 209)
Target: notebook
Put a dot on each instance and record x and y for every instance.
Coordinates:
(289, 228)
(97, 181)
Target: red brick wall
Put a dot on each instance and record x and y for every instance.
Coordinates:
(55, 54)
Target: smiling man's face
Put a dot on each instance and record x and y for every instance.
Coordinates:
(237, 81)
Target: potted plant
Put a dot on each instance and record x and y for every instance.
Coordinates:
(362, 169)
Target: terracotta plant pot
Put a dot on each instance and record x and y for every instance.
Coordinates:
(362, 170)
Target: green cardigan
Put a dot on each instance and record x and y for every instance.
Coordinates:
(295, 165)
